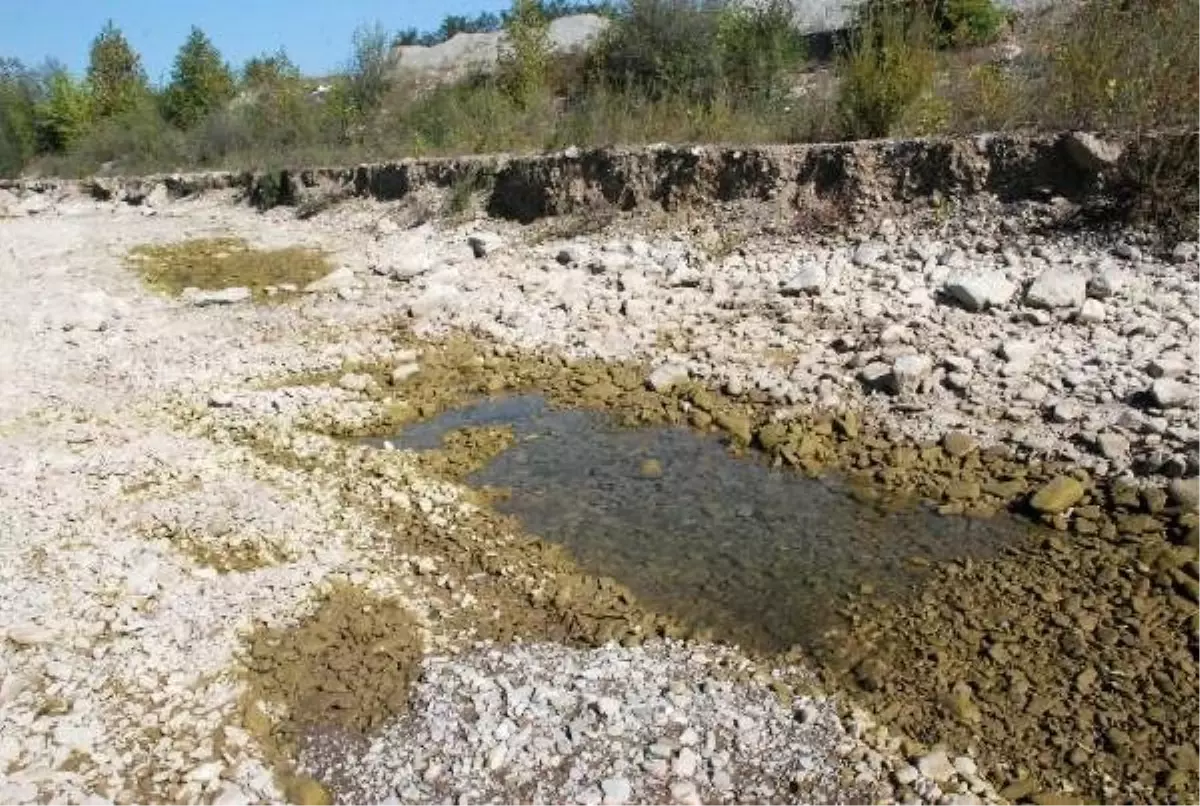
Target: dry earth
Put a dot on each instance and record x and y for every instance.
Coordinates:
(181, 532)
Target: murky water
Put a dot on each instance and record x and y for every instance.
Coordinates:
(763, 557)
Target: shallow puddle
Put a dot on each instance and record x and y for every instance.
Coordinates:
(760, 556)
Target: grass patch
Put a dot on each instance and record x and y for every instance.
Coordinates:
(215, 263)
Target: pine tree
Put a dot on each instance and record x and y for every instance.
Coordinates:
(200, 81)
(114, 73)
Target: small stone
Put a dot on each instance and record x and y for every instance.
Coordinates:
(1066, 411)
(220, 400)
(1058, 495)
(1107, 281)
(875, 374)
(908, 371)
(354, 382)
(977, 291)
(230, 795)
(1091, 153)
(1018, 351)
(1091, 312)
(609, 707)
(30, 635)
(808, 278)
(666, 376)
(1168, 366)
(484, 243)
(1057, 287)
(958, 443)
(721, 781)
(965, 766)
(403, 372)
(906, 775)
(224, 296)
(336, 280)
(1185, 493)
(936, 767)
(1169, 393)
(565, 257)
(496, 757)
(1112, 445)
(869, 252)
(685, 792)
(684, 765)
(616, 791)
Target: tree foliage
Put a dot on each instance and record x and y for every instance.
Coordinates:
(114, 73)
(65, 114)
(200, 81)
(367, 75)
(526, 57)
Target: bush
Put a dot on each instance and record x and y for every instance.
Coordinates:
(957, 23)
(1123, 65)
(64, 115)
(137, 140)
(368, 75)
(662, 48)
(114, 74)
(758, 48)
(525, 62)
(885, 71)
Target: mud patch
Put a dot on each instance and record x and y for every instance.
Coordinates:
(348, 667)
(216, 263)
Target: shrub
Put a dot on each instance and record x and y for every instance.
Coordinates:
(137, 140)
(368, 75)
(957, 23)
(662, 48)
(759, 45)
(886, 70)
(64, 115)
(525, 61)
(1123, 65)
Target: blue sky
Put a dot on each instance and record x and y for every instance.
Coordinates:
(316, 33)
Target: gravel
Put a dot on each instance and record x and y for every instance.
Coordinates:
(139, 549)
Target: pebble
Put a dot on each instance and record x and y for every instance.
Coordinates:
(1057, 287)
(616, 790)
(1169, 393)
(666, 376)
(936, 766)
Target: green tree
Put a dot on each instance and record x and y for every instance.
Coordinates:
(526, 57)
(269, 69)
(758, 45)
(200, 81)
(63, 116)
(114, 73)
(18, 90)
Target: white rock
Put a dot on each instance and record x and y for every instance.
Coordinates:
(965, 766)
(1107, 280)
(1057, 287)
(496, 757)
(30, 634)
(435, 300)
(608, 707)
(336, 280)
(1169, 393)
(484, 243)
(685, 792)
(354, 382)
(403, 372)
(1090, 152)
(936, 767)
(977, 291)
(666, 376)
(224, 296)
(908, 371)
(616, 791)
(869, 252)
(808, 278)
(1169, 365)
(684, 764)
(1018, 351)
(1091, 312)
(906, 775)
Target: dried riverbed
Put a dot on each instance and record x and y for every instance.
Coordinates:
(220, 592)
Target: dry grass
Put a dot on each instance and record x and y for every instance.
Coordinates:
(215, 263)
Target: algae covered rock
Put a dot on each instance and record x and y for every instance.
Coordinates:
(1057, 495)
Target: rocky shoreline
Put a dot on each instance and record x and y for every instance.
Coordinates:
(184, 499)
